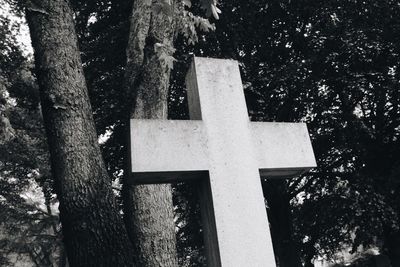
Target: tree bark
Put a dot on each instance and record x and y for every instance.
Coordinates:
(148, 209)
(279, 215)
(309, 253)
(392, 247)
(93, 230)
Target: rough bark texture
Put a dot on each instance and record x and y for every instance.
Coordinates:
(149, 208)
(279, 215)
(94, 233)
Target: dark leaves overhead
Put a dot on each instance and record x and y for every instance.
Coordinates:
(334, 65)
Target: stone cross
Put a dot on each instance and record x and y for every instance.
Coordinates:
(227, 153)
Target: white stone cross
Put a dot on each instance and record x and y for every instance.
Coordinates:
(228, 154)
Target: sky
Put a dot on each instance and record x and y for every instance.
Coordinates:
(22, 35)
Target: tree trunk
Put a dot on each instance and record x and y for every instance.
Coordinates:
(279, 215)
(392, 247)
(149, 208)
(309, 253)
(93, 230)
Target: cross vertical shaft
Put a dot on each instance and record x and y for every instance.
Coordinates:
(226, 152)
(240, 214)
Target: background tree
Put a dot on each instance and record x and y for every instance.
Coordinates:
(153, 27)
(93, 230)
(333, 65)
(30, 225)
(86, 17)
(148, 209)
(328, 64)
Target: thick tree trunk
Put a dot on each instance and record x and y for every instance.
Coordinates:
(279, 215)
(392, 247)
(309, 253)
(94, 233)
(149, 208)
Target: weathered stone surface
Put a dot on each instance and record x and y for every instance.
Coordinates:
(166, 145)
(283, 150)
(165, 150)
(222, 141)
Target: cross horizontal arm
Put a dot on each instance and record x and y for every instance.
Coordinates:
(166, 149)
(283, 150)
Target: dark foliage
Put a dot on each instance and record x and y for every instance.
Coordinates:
(334, 65)
(28, 228)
